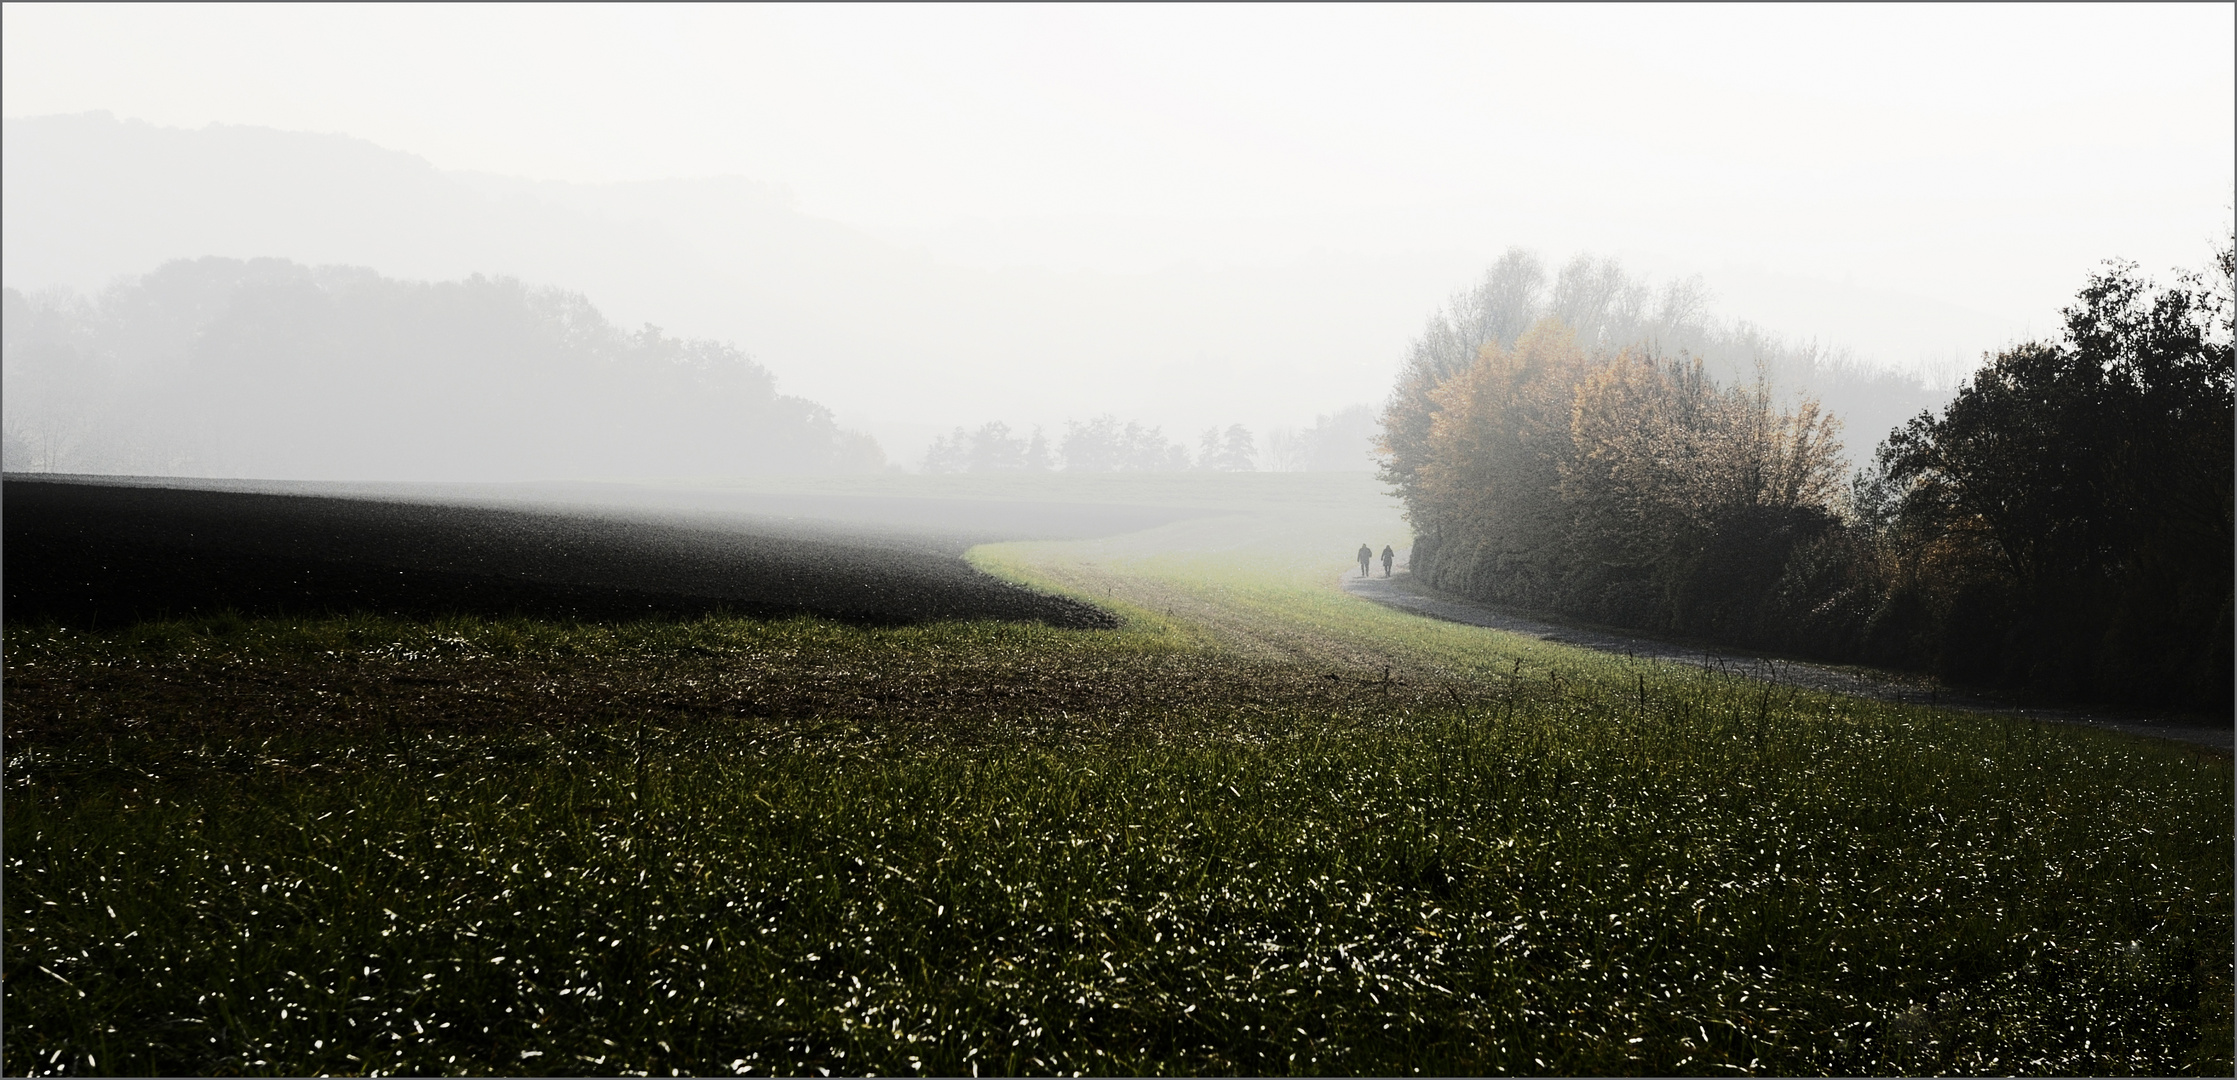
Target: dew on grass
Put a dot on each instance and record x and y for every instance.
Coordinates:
(1301, 903)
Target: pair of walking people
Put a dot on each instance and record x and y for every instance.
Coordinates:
(1367, 555)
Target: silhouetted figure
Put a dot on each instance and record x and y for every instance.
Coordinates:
(1388, 555)
(1366, 555)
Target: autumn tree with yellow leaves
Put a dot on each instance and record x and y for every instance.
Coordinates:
(1624, 487)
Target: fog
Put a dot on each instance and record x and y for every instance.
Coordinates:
(1130, 232)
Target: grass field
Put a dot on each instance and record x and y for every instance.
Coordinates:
(1261, 828)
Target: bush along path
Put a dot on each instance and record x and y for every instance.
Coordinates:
(1404, 593)
(2061, 527)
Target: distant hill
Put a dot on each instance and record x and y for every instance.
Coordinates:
(893, 338)
(268, 368)
(896, 340)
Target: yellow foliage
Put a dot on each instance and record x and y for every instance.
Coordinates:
(1658, 448)
(1540, 462)
(1497, 441)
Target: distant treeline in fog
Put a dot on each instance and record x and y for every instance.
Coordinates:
(1338, 442)
(267, 368)
(1341, 441)
(2063, 525)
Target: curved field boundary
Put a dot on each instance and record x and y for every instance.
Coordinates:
(107, 554)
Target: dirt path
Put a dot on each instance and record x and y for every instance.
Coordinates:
(1400, 592)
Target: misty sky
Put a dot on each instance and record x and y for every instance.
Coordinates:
(1820, 166)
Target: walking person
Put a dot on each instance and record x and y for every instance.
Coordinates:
(1366, 555)
(1388, 555)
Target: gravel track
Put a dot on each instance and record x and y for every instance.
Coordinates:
(1402, 592)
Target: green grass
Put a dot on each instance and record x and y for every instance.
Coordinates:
(358, 845)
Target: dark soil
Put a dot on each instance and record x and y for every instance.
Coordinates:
(106, 554)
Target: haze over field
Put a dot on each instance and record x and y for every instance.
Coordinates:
(1118, 540)
(925, 220)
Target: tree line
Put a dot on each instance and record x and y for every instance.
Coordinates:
(2062, 525)
(265, 367)
(1099, 444)
(1342, 441)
